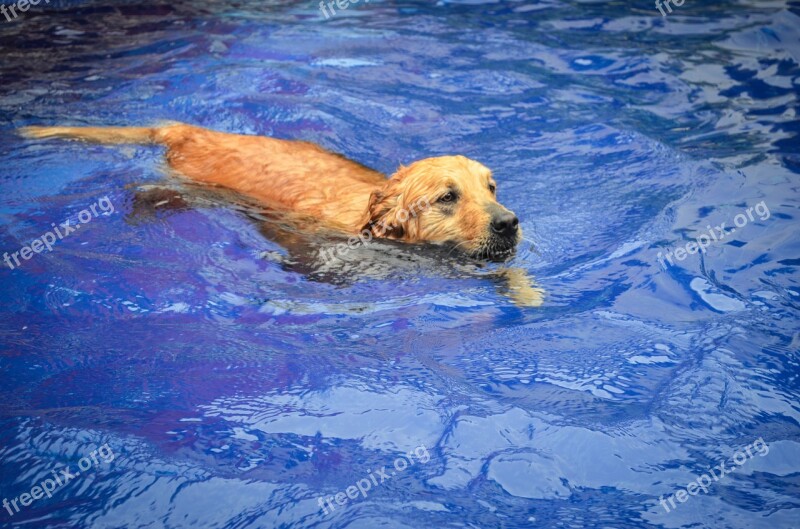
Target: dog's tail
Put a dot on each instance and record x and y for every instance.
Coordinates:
(114, 135)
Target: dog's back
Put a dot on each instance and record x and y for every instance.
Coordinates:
(298, 175)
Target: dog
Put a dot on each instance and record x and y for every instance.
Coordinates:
(459, 194)
(449, 201)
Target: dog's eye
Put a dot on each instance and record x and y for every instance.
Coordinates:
(492, 188)
(448, 197)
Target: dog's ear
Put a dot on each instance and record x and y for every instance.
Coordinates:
(383, 217)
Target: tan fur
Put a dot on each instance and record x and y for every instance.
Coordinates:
(305, 178)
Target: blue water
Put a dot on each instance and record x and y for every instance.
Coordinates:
(233, 385)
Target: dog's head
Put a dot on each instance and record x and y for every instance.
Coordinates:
(449, 199)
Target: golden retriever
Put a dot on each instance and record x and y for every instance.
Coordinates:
(442, 200)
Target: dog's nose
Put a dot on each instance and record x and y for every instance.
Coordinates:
(505, 223)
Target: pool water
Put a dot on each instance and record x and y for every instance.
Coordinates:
(200, 374)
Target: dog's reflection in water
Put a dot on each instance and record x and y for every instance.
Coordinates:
(322, 254)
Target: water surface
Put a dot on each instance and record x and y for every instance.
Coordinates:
(236, 387)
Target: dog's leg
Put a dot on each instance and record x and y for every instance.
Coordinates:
(154, 201)
(520, 287)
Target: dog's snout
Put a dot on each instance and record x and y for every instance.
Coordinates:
(505, 223)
